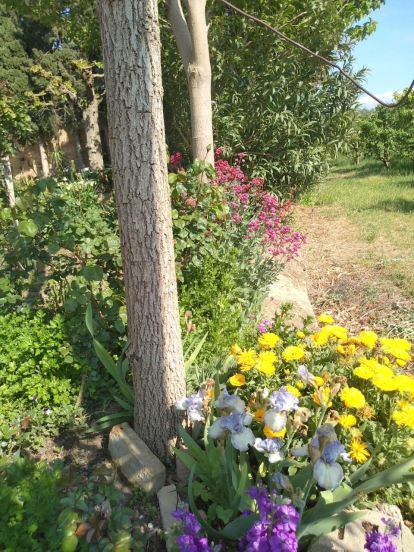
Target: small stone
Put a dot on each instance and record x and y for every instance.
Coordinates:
(168, 499)
(135, 460)
(150, 526)
(141, 517)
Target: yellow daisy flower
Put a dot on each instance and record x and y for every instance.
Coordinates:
(268, 340)
(364, 372)
(352, 397)
(301, 335)
(292, 353)
(319, 381)
(347, 421)
(293, 390)
(247, 359)
(384, 383)
(359, 451)
(265, 363)
(325, 319)
(258, 415)
(300, 385)
(237, 380)
(368, 339)
(235, 350)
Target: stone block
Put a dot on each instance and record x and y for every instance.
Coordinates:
(134, 459)
(351, 538)
(168, 499)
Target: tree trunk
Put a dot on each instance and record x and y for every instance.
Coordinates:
(43, 155)
(90, 116)
(131, 53)
(81, 163)
(8, 180)
(192, 43)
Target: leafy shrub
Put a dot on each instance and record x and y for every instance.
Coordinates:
(35, 361)
(54, 509)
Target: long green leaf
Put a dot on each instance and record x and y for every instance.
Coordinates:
(238, 528)
(330, 524)
(209, 530)
(188, 363)
(89, 319)
(128, 406)
(198, 453)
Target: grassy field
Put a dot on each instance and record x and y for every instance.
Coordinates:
(380, 205)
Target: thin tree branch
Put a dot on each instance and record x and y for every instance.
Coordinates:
(181, 32)
(317, 56)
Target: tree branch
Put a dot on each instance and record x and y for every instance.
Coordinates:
(180, 29)
(317, 56)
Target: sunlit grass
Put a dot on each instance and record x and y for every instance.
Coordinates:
(380, 204)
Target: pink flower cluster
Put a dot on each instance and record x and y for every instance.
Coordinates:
(262, 211)
(255, 212)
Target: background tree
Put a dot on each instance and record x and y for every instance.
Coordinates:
(130, 39)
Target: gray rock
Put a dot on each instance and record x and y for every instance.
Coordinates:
(290, 287)
(168, 499)
(135, 460)
(351, 538)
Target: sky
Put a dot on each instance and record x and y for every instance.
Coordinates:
(389, 52)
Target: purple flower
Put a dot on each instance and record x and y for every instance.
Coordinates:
(35, 398)
(262, 328)
(194, 405)
(382, 542)
(306, 376)
(225, 400)
(271, 447)
(283, 400)
(276, 530)
(241, 436)
(47, 411)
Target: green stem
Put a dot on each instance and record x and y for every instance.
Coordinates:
(306, 494)
(322, 416)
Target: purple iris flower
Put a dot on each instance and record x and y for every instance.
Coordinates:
(241, 436)
(306, 376)
(194, 405)
(283, 400)
(225, 400)
(270, 447)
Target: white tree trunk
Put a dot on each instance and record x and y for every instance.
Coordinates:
(8, 180)
(192, 43)
(131, 53)
(81, 163)
(90, 116)
(43, 155)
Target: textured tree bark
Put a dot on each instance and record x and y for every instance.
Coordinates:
(192, 43)
(131, 53)
(90, 117)
(81, 162)
(43, 155)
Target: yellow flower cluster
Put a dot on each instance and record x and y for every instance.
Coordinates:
(327, 332)
(405, 416)
(383, 377)
(397, 348)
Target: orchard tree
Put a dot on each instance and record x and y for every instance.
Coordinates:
(132, 63)
(380, 135)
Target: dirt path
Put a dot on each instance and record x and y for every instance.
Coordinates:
(347, 278)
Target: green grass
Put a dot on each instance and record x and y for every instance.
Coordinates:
(380, 204)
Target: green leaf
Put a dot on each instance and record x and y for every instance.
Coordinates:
(238, 528)
(198, 453)
(119, 326)
(53, 248)
(92, 273)
(209, 530)
(28, 228)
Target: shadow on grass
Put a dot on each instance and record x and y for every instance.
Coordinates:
(395, 205)
(371, 167)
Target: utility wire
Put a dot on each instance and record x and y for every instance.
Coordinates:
(317, 56)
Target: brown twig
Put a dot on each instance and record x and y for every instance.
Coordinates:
(317, 56)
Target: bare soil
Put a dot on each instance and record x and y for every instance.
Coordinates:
(347, 276)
